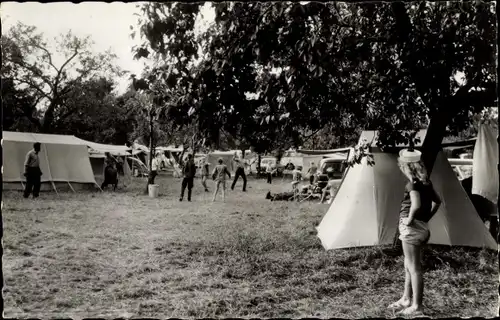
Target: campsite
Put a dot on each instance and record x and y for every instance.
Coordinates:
(250, 160)
(122, 254)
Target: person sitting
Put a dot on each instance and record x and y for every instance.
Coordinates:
(329, 187)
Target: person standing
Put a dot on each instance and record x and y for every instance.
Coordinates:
(240, 171)
(312, 172)
(110, 171)
(419, 205)
(188, 171)
(269, 171)
(219, 175)
(155, 166)
(205, 174)
(32, 172)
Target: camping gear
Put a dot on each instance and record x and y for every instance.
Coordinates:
(64, 160)
(365, 210)
(153, 190)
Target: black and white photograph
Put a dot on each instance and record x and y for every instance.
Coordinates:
(250, 159)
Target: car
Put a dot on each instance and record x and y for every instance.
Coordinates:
(334, 168)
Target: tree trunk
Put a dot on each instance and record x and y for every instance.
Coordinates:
(432, 142)
(258, 164)
(151, 142)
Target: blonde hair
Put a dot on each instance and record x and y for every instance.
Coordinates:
(414, 171)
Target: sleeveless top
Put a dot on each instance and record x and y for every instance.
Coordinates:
(426, 192)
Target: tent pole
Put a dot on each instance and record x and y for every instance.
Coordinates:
(71, 187)
(54, 186)
(48, 168)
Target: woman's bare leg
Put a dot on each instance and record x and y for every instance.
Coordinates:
(413, 254)
(216, 190)
(223, 191)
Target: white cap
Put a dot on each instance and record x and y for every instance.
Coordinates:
(408, 156)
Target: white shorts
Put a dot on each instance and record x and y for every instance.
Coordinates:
(417, 233)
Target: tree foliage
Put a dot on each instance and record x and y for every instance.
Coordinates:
(381, 66)
(31, 64)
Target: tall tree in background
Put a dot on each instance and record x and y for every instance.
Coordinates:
(384, 66)
(30, 63)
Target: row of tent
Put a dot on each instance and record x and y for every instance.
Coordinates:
(364, 211)
(65, 160)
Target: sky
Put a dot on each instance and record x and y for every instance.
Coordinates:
(108, 25)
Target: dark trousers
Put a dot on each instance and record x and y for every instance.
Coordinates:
(311, 179)
(269, 177)
(152, 177)
(33, 182)
(187, 182)
(240, 172)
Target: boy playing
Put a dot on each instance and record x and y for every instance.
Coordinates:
(219, 175)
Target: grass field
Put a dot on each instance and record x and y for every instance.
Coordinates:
(123, 254)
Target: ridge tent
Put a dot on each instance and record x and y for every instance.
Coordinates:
(365, 210)
(64, 160)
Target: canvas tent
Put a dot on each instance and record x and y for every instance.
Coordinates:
(365, 210)
(484, 167)
(64, 160)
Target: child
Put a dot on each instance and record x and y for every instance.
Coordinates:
(312, 172)
(204, 175)
(269, 171)
(419, 205)
(296, 178)
(219, 175)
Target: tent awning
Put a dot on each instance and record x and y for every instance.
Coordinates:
(323, 152)
(41, 137)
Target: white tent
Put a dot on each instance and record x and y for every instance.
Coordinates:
(365, 210)
(64, 160)
(484, 167)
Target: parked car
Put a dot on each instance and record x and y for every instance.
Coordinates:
(332, 167)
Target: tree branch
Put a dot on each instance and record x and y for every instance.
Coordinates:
(48, 55)
(34, 86)
(63, 66)
(405, 29)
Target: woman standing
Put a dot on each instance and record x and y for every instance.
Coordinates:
(419, 205)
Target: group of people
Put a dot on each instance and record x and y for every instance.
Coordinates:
(420, 204)
(218, 174)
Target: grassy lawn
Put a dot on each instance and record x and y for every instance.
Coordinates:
(123, 254)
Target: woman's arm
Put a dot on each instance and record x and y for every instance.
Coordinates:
(436, 202)
(415, 205)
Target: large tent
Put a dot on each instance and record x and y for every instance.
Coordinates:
(365, 210)
(64, 160)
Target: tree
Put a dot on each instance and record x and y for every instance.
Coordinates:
(90, 110)
(31, 64)
(335, 63)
